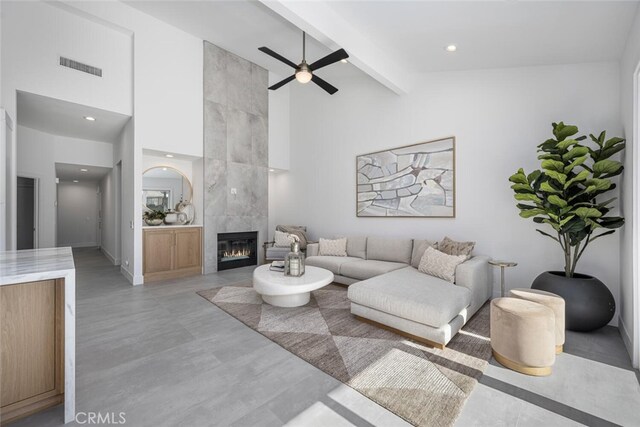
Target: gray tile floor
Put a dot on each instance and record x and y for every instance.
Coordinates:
(166, 357)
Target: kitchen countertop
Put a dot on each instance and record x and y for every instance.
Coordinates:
(45, 264)
(36, 264)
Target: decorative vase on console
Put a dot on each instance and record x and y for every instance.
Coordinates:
(294, 261)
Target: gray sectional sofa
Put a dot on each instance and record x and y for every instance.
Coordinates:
(386, 288)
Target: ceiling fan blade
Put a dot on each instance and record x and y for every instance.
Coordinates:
(336, 56)
(282, 82)
(324, 85)
(277, 56)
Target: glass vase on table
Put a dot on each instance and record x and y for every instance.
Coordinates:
(294, 261)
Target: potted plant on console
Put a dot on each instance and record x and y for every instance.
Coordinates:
(566, 195)
(153, 217)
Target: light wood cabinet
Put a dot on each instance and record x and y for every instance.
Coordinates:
(172, 252)
(32, 347)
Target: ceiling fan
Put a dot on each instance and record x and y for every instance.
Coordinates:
(305, 72)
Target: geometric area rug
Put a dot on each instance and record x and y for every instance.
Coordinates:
(422, 385)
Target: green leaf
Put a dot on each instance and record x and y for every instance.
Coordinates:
(533, 176)
(549, 156)
(527, 197)
(563, 145)
(576, 151)
(578, 178)
(599, 183)
(528, 213)
(547, 234)
(560, 177)
(547, 188)
(553, 165)
(613, 141)
(575, 163)
(562, 131)
(566, 220)
(612, 222)
(588, 213)
(607, 167)
(555, 200)
(518, 188)
(522, 206)
(519, 177)
(608, 152)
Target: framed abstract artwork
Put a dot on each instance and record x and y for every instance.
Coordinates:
(412, 181)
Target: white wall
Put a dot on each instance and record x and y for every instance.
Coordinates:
(131, 229)
(498, 118)
(629, 326)
(38, 152)
(33, 36)
(78, 214)
(168, 108)
(109, 203)
(279, 115)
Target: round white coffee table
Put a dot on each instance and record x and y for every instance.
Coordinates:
(286, 291)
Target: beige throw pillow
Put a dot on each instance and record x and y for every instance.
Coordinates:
(439, 264)
(451, 247)
(283, 240)
(336, 247)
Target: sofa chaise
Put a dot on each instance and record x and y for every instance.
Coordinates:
(386, 288)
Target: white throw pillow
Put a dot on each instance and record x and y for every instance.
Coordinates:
(336, 247)
(283, 240)
(439, 264)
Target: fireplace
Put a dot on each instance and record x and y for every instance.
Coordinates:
(237, 250)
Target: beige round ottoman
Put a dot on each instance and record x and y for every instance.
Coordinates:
(553, 301)
(523, 336)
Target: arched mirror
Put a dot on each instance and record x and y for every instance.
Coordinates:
(164, 188)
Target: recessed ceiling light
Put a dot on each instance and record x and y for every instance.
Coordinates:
(91, 119)
(451, 48)
(164, 169)
(169, 155)
(272, 170)
(344, 61)
(84, 170)
(75, 180)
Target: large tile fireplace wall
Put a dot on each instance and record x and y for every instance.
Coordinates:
(235, 149)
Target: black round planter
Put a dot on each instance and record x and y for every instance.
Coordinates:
(589, 304)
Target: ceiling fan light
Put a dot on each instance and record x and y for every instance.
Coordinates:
(303, 76)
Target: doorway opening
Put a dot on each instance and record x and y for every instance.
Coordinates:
(27, 213)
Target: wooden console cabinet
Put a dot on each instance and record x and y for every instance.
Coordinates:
(172, 252)
(32, 344)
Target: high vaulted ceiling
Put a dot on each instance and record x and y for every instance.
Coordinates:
(392, 40)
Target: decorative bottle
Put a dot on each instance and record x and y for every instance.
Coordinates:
(294, 261)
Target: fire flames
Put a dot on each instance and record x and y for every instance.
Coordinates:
(235, 253)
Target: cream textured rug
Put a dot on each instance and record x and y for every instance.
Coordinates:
(425, 386)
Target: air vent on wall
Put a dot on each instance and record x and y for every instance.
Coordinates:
(70, 63)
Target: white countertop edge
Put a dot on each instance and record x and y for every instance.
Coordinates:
(15, 279)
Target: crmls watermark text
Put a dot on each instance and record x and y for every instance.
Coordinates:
(111, 418)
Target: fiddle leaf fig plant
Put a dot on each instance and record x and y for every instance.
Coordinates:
(565, 194)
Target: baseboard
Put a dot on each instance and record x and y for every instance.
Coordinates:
(110, 257)
(626, 338)
(82, 244)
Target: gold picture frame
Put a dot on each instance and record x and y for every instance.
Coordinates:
(412, 181)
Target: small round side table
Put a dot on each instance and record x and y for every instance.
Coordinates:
(502, 265)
